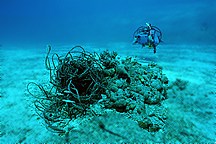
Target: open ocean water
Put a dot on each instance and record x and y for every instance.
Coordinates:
(186, 55)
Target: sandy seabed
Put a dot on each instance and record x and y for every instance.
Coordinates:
(191, 115)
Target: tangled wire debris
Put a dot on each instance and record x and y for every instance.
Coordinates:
(81, 79)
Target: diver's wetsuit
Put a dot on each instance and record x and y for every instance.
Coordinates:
(148, 36)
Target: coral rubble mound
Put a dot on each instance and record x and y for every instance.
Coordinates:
(84, 83)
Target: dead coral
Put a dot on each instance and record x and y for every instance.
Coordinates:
(80, 80)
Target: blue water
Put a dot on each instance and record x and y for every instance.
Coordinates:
(188, 28)
(105, 21)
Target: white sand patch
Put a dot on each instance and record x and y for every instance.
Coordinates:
(195, 64)
(18, 118)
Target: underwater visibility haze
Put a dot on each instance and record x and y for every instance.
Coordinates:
(107, 71)
(68, 21)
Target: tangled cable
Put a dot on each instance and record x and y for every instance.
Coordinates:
(77, 81)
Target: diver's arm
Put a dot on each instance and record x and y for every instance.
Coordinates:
(154, 49)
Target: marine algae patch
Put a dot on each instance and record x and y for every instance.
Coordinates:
(87, 84)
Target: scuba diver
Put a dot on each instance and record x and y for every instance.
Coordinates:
(148, 36)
